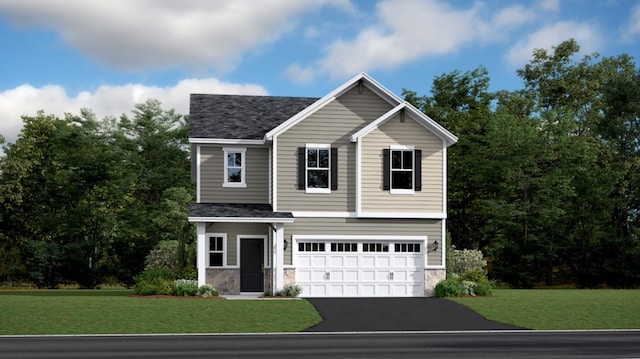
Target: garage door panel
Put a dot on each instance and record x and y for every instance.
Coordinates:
(351, 273)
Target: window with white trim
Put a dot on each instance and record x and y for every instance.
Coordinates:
(215, 250)
(234, 167)
(402, 170)
(318, 171)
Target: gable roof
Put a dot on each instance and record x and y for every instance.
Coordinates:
(240, 117)
(361, 79)
(426, 121)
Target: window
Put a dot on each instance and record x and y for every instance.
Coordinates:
(407, 247)
(234, 167)
(215, 248)
(375, 247)
(311, 247)
(402, 169)
(344, 247)
(318, 168)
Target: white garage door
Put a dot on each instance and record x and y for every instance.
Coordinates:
(338, 268)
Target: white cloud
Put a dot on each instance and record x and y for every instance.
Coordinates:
(158, 34)
(106, 100)
(549, 5)
(407, 30)
(298, 74)
(632, 28)
(586, 35)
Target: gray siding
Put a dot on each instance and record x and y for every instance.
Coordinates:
(333, 124)
(432, 228)
(212, 176)
(407, 133)
(233, 230)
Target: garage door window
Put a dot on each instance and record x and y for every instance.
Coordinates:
(375, 247)
(311, 247)
(407, 247)
(344, 247)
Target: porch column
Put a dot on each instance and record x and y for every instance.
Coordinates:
(201, 253)
(278, 257)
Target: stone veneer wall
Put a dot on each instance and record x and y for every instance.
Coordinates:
(289, 276)
(226, 281)
(431, 278)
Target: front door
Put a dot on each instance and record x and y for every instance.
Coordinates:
(252, 265)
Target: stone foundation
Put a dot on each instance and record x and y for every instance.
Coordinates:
(431, 278)
(226, 281)
(289, 276)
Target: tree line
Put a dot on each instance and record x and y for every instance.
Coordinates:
(545, 180)
(84, 200)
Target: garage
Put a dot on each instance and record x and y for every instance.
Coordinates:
(348, 267)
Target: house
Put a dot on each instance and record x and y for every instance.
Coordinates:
(344, 195)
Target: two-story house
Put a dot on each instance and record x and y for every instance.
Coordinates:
(344, 195)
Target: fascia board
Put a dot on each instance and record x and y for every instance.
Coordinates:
(225, 141)
(368, 81)
(241, 220)
(377, 123)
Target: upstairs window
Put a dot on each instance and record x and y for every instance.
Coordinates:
(402, 170)
(234, 167)
(318, 168)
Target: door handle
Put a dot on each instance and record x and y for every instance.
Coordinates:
(327, 276)
(390, 275)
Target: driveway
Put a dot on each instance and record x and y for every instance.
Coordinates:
(398, 314)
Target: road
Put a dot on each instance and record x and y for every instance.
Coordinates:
(512, 344)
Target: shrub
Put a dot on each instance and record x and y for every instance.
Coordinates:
(155, 282)
(484, 288)
(467, 287)
(186, 287)
(164, 256)
(290, 290)
(466, 260)
(448, 288)
(207, 290)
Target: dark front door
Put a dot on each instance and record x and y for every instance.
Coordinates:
(251, 265)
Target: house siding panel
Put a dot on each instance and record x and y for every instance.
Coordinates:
(432, 228)
(332, 124)
(409, 133)
(233, 230)
(212, 177)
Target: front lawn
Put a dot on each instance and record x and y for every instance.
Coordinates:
(118, 312)
(560, 309)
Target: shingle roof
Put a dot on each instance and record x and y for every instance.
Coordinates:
(235, 210)
(240, 117)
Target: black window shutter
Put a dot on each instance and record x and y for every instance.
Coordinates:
(417, 167)
(334, 168)
(385, 169)
(302, 167)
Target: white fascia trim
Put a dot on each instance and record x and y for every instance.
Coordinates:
(444, 243)
(358, 177)
(382, 215)
(225, 141)
(377, 123)
(408, 215)
(241, 220)
(355, 237)
(198, 174)
(444, 178)
(373, 85)
(417, 115)
(274, 177)
(320, 214)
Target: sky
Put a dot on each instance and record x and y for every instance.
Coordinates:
(60, 56)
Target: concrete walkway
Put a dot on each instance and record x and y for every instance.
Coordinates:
(398, 314)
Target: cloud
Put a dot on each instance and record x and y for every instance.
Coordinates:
(299, 74)
(105, 100)
(549, 5)
(145, 34)
(407, 30)
(586, 35)
(632, 28)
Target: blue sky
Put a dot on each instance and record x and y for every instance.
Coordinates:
(63, 55)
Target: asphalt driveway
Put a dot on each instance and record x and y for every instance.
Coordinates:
(398, 314)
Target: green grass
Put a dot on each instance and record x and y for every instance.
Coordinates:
(118, 312)
(560, 309)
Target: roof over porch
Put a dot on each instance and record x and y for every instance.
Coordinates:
(237, 212)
